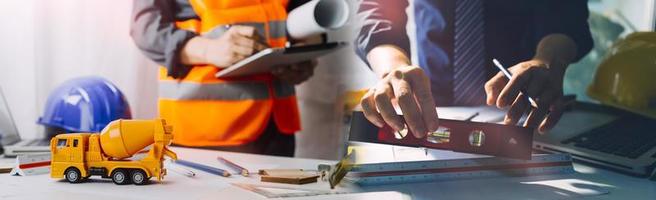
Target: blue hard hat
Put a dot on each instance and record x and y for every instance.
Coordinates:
(85, 104)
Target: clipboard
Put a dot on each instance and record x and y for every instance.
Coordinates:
(265, 60)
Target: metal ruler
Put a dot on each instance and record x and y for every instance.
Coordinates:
(456, 169)
(261, 190)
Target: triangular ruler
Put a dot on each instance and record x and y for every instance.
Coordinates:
(31, 164)
(270, 192)
(457, 169)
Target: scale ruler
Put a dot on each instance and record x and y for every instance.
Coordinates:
(260, 189)
(32, 164)
(442, 170)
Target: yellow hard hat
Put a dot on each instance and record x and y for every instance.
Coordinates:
(626, 78)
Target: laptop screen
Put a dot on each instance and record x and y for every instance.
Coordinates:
(8, 131)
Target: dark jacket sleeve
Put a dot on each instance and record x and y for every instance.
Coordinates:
(569, 17)
(383, 22)
(153, 31)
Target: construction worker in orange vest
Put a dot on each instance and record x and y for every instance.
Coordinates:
(193, 40)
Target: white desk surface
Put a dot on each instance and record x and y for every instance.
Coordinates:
(207, 186)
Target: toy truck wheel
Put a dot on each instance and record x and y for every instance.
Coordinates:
(73, 175)
(139, 177)
(120, 177)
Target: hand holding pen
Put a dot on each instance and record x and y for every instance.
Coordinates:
(232, 46)
(531, 87)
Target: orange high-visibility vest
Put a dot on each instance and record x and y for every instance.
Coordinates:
(209, 111)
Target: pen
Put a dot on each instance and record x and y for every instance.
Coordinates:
(509, 76)
(472, 116)
(257, 39)
(181, 170)
(205, 168)
(239, 169)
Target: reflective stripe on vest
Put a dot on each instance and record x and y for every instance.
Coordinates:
(277, 29)
(222, 91)
(283, 89)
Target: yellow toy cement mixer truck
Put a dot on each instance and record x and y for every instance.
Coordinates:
(77, 156)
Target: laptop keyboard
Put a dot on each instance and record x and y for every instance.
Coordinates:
(38, 143)
(627, 137)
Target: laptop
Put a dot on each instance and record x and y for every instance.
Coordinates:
(10, 138)
(604, 136)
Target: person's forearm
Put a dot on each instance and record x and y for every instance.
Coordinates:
(194, 51)
(558, 50)
(385, 58)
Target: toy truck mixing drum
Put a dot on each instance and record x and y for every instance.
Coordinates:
(77, 156)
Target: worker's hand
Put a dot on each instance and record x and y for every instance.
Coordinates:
(408, 87)
(296, 73)
(236, 44)
(538, 79)
(233, 46)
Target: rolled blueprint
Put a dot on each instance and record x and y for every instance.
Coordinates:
(316, 17)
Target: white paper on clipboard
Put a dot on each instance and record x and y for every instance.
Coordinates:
(265, 60)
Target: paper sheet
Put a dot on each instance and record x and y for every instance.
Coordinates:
(534, 188)
(531, 187)
(378, 153)
(388, 195)
(572, 186)
(316, 17)
(205, 186)
(174, 186)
